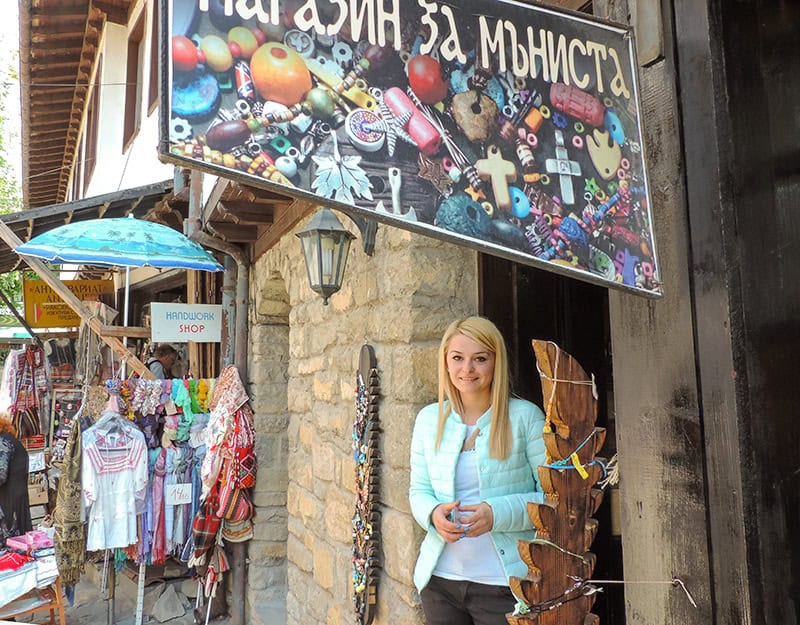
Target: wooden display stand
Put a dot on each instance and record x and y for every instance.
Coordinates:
(557, 589)
(49, 599)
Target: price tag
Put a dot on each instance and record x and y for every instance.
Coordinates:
(178, 494)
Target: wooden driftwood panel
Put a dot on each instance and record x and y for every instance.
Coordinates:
(556, 590)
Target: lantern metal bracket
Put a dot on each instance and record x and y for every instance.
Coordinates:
(368, 229)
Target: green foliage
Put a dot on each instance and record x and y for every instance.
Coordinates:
(10, 191)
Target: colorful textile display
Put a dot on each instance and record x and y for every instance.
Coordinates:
(69, 539)
(24, 391)
(140, 470)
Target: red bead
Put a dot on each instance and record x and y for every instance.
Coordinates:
(425, 78)
(260, 36)
(235, 48)
(184, 54)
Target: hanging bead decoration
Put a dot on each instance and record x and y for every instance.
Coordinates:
(366, 520)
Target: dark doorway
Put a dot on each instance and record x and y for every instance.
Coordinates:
(527, 303)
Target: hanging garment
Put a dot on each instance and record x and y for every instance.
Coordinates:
(228, 396)
(15, 513)
(170, 479)
(158, 551)
(114, 479)
(31, 379)
(69, 539)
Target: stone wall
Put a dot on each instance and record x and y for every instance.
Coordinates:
(303, 359)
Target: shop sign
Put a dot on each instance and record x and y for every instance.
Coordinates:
(510, 128)
(44, 308)
(201, 323)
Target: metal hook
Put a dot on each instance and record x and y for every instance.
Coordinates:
(677, 581)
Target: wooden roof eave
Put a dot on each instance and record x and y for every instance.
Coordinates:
(240, 213)
(59, 45)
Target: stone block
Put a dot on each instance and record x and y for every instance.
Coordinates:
(339, 508)
(323, 557)
(151, 595)
(296, 527)
(299, 555)
(400, 553)
(263, 577)
(322, 460)
(390, 610)
(305, 435)
(300, 470)
(365, 290)
(168, 606)
(323, 387)
(270, 403)
(265, 549)
(400, 593)
(394, 489)
(306, 366)
(414, 374)
(189, 588)
(397, 423)
(271, 524)
(263, 499)
(299, 398)
(310, 508)
(267, 612)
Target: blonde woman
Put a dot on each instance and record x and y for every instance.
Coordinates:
(474, 459)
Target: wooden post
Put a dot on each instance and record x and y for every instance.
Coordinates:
(559, 562)
(75, 304)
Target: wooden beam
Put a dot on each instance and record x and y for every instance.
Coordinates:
(234, 232)
(77, 305)
(133, 332)
(285, 220)
(20, 318)
(261, 206)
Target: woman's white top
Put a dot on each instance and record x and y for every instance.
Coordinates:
(473, 559)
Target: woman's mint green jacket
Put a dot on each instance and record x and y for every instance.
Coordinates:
(507, 485)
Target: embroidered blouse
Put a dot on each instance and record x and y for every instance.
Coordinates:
(114, 479)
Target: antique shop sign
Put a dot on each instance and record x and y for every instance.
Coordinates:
(45, 309)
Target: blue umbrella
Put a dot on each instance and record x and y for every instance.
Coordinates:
(119, 243)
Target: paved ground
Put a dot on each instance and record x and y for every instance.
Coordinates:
(162, 600)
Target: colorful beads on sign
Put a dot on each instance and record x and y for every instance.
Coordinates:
(474, 114)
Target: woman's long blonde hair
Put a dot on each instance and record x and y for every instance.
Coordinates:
(485, 333)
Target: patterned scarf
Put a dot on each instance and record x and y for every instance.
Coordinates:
(69, 540)
(158, 552)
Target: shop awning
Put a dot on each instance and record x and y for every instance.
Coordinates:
(28, 223)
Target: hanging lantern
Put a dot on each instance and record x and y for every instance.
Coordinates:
(326, 244)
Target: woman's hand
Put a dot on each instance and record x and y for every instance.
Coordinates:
(481, 519)
(440, 517)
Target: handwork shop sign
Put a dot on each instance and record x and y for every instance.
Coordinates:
(44, 308)
(513, 129)
(179, 323)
